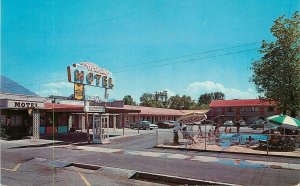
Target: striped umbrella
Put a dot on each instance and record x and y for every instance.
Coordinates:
(285, 121)
(192, 118)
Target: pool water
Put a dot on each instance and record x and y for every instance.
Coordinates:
(230, 139)
(245, 137)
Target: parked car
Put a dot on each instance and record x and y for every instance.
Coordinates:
(166, 124)
(143, 125)
(228, 123)
(259, 124)
(242, 123)
(174, 123)
(153, 126)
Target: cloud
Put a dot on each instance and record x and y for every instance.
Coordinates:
(60, 84)
(46, 93)
(197, 88)
(56, 88)
(170, 92)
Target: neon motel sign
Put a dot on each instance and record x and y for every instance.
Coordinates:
(87, 73)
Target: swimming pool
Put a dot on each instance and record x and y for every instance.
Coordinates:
(245, 137)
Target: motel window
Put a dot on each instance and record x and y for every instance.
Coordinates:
(254, 109)
(249, 109)
(16, 120)
(2, 120)
(230, 109)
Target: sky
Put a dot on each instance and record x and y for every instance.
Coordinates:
(187, 47)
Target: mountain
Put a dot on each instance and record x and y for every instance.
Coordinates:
(9, 86)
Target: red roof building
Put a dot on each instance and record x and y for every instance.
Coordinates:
(151, 114)
(154, 115)
(120, 115)
(248, 110)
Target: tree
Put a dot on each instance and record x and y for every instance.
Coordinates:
(206, 98)
(181, 103)
(128, 100)
(149, 100)
(187, 102)
(277, 73)
(219, 96)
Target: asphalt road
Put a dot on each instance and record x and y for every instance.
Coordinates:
(17, 169)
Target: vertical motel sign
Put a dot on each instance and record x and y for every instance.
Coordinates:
(87, 73)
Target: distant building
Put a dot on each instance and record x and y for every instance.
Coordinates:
(21, 109)
(248, 110)
(152, 114)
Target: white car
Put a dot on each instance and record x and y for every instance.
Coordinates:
(242, 123)
(228, 123)
(153, 126)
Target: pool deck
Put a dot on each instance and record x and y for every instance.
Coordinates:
(241, 149)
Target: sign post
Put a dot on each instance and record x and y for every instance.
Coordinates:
(87, 73)
(86, 121)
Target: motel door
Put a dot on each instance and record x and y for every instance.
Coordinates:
(105, 126)
(96, 128)
(100, 128)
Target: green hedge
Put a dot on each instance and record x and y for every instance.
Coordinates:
(13, 132)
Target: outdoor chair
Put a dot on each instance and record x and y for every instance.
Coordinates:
(188, 136)
(200, 134)
(263, 143)
(289, 142)
(297, 141)
(276, 142)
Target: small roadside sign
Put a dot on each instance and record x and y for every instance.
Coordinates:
(94, 109)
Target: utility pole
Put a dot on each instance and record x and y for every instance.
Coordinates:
(86, 118)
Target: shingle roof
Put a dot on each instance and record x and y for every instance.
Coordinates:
(194, 111)
(242, 102)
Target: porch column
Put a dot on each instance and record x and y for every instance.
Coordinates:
(123, 122)
(114, 122)
(70, 121)
(36, 124)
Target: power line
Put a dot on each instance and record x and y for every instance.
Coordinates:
(166, 64)
(188, 55)
(196, 59)
(171, 58)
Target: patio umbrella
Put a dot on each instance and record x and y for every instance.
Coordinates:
(192, 118)
(285, 121)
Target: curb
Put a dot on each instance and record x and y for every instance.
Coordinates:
(162, 178)
(240, 153)
(146, 176)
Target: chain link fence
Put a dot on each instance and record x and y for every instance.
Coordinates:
(228, 140)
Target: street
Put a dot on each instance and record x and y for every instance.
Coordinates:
(24, 166)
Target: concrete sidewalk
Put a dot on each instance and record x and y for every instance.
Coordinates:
(238, 149)
(227, 161)
(71, 138)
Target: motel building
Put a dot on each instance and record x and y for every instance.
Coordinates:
(151, 114)
(248, 110)
(23, 113)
